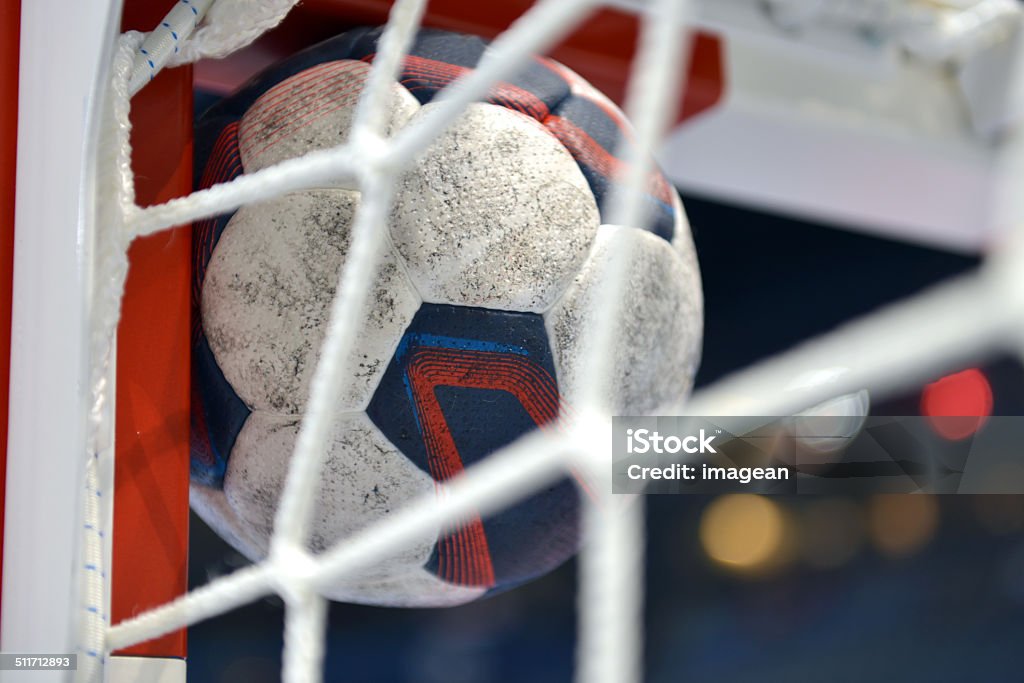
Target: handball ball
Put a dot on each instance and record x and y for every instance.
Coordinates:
(472, 332)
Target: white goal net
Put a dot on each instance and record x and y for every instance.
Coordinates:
(962, 320)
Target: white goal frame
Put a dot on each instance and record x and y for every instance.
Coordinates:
(76, 216)
(57, 148)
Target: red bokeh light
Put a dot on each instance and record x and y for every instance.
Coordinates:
(959, 404)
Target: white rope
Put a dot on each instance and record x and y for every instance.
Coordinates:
(505, 477)
(110, 245)
(305, 617)
(165, 41)
(355, 282)
(393, 46)
(294, 511)
(610, 596)
(906, 343)
(230, 25)
(305, 610)
(654, 86)
(337, 167)
(221, 595)
(610, 601)
(93, 627)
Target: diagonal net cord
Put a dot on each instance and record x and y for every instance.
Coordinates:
(305, 607)
(961, 321)
(502, 479)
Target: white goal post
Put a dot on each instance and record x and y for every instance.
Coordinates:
(77, 213)
(57, 148)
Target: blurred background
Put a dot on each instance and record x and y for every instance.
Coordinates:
(739, 588)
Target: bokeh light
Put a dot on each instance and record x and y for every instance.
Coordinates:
(958, 405)
(746, 533)
(900, 525)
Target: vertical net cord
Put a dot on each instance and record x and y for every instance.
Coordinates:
(610, 599)
(110, 244)
(291, 524)
(305, 631)
(656, 79)
(372, 108)
(306, 609)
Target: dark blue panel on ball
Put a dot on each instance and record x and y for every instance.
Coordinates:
(437, 326)
(436, 58)
(535, 535)
(456, 49)
(339, 47)
(217, 417)
(463, 383)
(217, 412)
(594, 134)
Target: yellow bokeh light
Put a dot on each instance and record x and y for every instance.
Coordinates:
(900, 525)
(744, 532)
